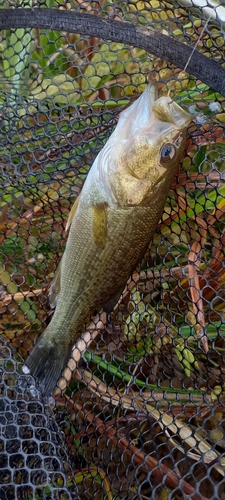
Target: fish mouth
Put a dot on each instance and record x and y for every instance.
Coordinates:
(166, 110)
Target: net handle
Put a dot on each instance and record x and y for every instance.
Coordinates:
(204, 68)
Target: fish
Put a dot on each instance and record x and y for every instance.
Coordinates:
(111, 224)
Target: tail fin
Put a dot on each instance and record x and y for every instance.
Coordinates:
(46, 363)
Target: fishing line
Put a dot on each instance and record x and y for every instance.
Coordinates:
(193, 50)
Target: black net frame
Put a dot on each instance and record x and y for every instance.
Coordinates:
(141, 405)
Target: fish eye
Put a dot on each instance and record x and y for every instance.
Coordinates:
(167, 153)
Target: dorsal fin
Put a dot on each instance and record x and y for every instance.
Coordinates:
(110, 304)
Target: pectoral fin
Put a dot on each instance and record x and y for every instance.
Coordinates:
(99, 224)
(72, 213)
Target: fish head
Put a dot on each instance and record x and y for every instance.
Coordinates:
(158, 147)
(150, 150)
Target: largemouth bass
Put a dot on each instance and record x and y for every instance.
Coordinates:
(112, 223)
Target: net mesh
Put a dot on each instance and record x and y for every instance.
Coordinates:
(141, 406)
(33, 459)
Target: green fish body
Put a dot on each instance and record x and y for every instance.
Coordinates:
(112, 223)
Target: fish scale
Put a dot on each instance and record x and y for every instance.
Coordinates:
(112, 223)
(131, 230)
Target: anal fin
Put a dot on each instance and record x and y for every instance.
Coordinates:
(55, 286)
